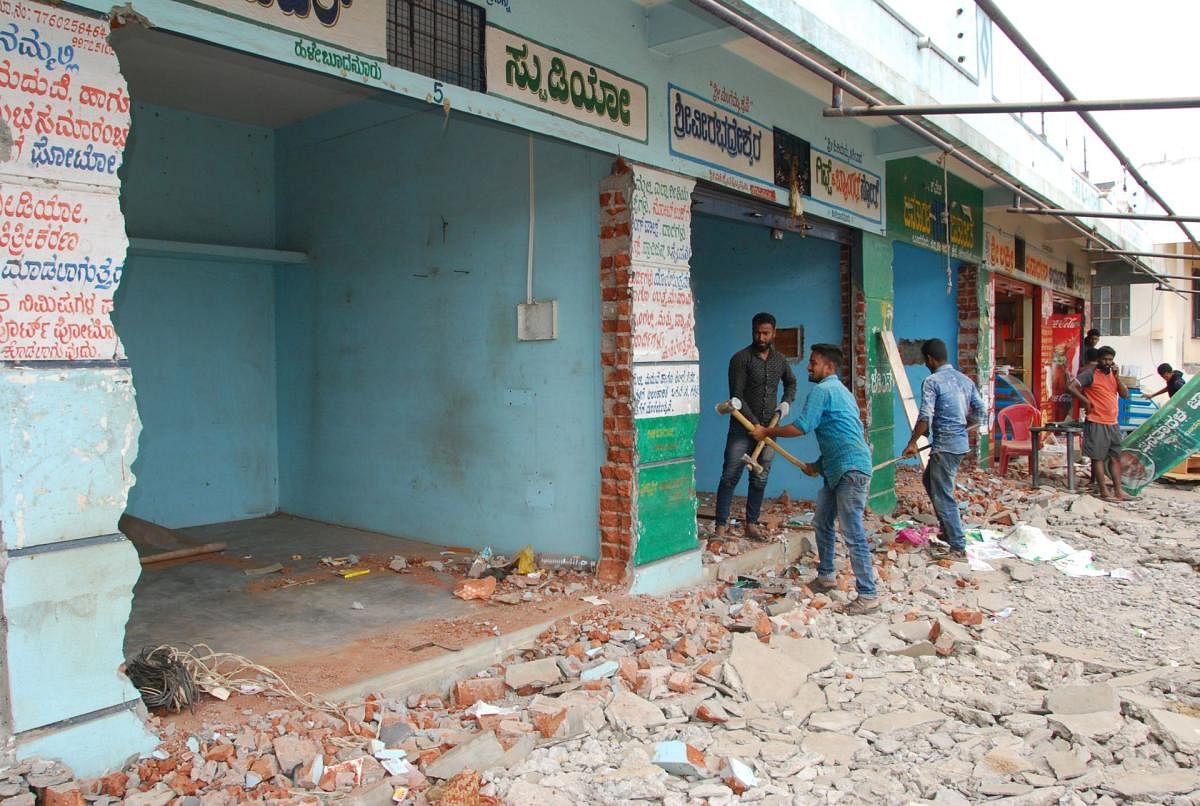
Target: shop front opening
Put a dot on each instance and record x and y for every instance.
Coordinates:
(318, 307)
(750, 258)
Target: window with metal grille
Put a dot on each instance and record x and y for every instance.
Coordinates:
(442, 39)
(1110, 310)
(1196, 304)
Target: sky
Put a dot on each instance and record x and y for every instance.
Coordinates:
(1116, 49)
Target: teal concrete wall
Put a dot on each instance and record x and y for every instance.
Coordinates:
(737, 271)
(924, 310)
(406, 404)
(200, 333)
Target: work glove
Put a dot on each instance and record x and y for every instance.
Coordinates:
(783, 409)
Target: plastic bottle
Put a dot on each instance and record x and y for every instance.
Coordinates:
(565, 562)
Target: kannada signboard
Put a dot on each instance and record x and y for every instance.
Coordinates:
(917, 193)
(852, 191)
(666, 511)
(738, 151)
(1039, 268)
(357, 25)
(666, 409)
(66, 113)
(528, 72)
(1163, 441)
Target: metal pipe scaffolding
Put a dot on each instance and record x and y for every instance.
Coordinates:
(1133, 253)
(754, 31)
(1120, 105)
(1022, 44)
(1105, 214)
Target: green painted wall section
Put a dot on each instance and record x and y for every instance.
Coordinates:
(666, 511)
(662, 438)
(872, 274)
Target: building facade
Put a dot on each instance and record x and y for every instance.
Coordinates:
(467, 270)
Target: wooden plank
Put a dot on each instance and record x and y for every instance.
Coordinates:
(147, 535)
(903, 388)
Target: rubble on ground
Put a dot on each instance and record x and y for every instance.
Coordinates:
(1020, 684)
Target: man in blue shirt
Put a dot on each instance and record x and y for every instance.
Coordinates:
(831, 414)
(949, 400)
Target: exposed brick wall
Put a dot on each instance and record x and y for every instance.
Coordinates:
(971, 339)
(618, 498)
(854, 337)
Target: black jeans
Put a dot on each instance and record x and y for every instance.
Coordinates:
(737, 443)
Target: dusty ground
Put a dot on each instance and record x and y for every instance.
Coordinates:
(1020, 685)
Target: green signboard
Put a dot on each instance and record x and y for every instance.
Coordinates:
(666, 511)
(1163, 441)
(662, 438)
(917, 194)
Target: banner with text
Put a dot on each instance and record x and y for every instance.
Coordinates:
(66, 108)
(917, 196)
(666, 409)
(854, 193)
(357, 25)
(1163, 441)
(739, 152)
(533, 74)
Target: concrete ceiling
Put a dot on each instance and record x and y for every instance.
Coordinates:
(181, 73)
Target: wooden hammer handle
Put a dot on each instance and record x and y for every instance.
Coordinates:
(741, 418)
(758, 449)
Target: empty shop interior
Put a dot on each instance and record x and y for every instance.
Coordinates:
(319, 310)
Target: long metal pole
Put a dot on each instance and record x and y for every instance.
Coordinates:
(1002, 22)
(1105, 214)
(1125, 105)
(1134, 253)
(801, 58)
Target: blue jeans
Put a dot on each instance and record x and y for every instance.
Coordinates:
(939, 483)
(740, 442)
(846, 503)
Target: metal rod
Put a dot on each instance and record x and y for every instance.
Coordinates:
(1022, 44)
(1116, 104)
(1105, 214)
(801, 58)
(1131, 252)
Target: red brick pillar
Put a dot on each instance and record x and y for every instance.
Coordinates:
(976, 306)
(855, 374)
(618, 502)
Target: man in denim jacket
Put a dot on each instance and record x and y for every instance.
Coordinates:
(950, 402)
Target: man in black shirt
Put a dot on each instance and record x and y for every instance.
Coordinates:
(754, 376)
(1172, 377)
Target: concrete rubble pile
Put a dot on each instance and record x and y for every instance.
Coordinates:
(1019, 685)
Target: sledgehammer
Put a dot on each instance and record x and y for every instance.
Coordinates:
(751, 460)
(733, 406)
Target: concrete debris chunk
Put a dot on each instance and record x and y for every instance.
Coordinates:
(898, 721)
(1086, 699)
(1156, 782)
(480, 753)
(533, 674)
(679, 758)
(628, 710)
(766, 674)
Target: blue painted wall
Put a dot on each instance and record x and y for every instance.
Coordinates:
(200, 334)
(737, 271)
(924, 310)
(406, 403)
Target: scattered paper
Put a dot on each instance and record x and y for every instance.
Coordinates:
(595, 600)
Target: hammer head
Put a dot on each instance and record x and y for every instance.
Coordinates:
(750, 463)
(732, 404)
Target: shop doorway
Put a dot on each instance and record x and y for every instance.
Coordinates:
(316, 320)
(750, 258)
(1013, 338)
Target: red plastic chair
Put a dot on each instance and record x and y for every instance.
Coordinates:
(1016, 420)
